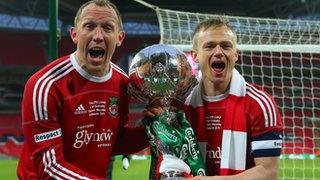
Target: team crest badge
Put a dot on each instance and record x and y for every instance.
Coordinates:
(113, 106)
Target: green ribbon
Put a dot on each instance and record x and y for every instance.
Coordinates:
(171, 133)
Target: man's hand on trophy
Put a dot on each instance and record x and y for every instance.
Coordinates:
(156, 107)
(152, 111)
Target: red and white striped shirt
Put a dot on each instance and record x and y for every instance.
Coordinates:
(263, 131)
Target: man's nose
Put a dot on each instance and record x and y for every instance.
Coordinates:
(217, 51)
(98, 35)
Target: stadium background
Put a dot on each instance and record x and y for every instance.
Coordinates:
(25, 46)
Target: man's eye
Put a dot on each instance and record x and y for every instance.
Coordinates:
(89, 26)
(226, 46)
(108, 28)
(209, 46)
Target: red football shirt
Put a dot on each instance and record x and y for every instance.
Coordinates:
(73, 122)
(214, 115)
(207, 117)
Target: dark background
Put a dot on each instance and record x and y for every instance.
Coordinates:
(133, 11)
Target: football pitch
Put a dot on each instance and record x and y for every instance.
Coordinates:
(139, 169)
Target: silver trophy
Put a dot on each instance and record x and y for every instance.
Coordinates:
(162, 75)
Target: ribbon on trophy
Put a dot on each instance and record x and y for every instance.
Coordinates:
(173, 140)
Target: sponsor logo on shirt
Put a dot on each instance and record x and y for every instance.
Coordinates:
(84, 137)
(80, 110)
(113, 106)
(214, 153)
(47, 135)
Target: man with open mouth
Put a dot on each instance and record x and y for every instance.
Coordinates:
(237, 123)
(75, 109)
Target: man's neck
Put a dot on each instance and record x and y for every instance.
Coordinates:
(215, 89)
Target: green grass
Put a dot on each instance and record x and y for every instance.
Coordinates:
(8, 169)
(300, 169)
(139, 169)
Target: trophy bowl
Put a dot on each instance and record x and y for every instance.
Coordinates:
(160, 73)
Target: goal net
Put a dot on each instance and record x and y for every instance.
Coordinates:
(283, 56)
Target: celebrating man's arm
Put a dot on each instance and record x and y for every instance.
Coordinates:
(43, 140)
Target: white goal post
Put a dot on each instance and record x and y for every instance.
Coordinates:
(281, 55)
(254, 34)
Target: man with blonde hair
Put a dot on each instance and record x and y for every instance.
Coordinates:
(236, 123)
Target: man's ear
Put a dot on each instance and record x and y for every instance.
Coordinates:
(121, 37)
(237, 54)
(73, 35)
(194, 55)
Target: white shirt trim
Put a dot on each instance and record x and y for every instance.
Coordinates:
(217, 98)
(85, 74)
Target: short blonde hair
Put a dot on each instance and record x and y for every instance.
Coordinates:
(216, 21)
(100, 3)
